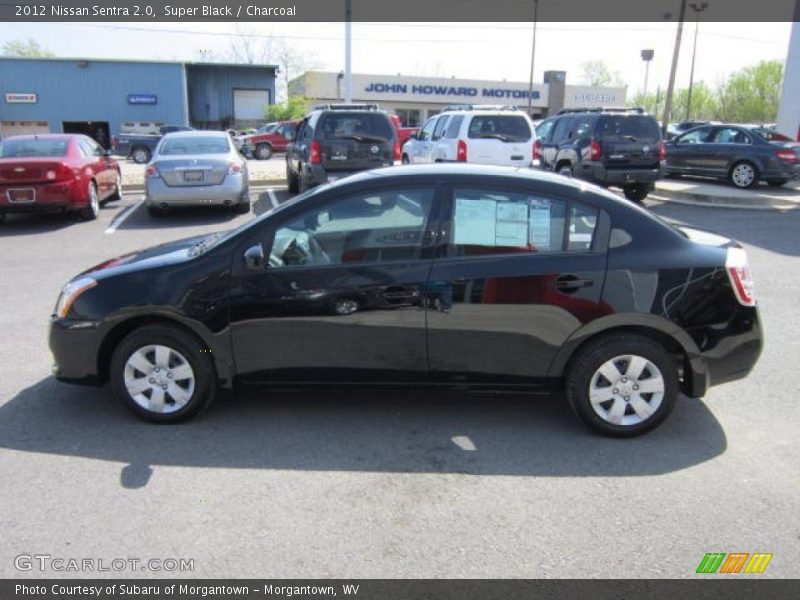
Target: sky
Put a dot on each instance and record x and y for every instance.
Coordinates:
(492, 51)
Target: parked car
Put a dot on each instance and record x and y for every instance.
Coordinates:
(454, 275)
(490, 135)
(140, 147)
(403, 133)
(262, 145)
(738, 154)
(196, 168)
(336, 140)
(56, 172)
(620, 147)
(674, 129)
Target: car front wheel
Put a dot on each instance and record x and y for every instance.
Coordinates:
(263, 152)
(141, 155)
(744, 175)
(622, 385)
(163, 374)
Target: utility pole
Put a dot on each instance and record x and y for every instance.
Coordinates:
(671, 86)
(697, 8)
(533, 55)
(348, 76)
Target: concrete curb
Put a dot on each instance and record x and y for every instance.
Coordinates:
(129, 187)
(713, 201)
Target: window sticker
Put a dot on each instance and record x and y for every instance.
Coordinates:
(475, 222)
(540, 223)
(512, 224)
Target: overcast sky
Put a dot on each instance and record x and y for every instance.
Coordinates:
(493, 51)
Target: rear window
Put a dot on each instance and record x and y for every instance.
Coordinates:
(23, 148)
(626, 126)
(508, 128)
(357, 125)
(194, 145)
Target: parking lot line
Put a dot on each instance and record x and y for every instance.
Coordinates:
(120, 218)
(272, 198)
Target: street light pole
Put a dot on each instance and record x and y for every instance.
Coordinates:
(697, 8)
(647, 56)
(675, 53)
(533, 54)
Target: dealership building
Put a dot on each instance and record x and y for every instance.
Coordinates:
(102, 97)
(414, 99)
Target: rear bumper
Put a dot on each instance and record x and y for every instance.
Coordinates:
(232, 190)
(47, 197)
(598, 172)
(317, 174)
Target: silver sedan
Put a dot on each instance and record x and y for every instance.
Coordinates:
(193, 168)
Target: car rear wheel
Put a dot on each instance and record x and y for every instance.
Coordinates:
(92, 208)
(636, 193)
(622, 385)
(777, 182)
(743, 175)
(117, 195)
(291, 181)
(263, 152)
(565, 170)
(162, 374)
(243, 207)
(141, 155)
(405, 160)
(154, 211)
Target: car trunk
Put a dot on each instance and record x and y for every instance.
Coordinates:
(500, 140)
(29, 170)
(629, 141)
(183, 172)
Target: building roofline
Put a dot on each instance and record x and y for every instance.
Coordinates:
(134, 61)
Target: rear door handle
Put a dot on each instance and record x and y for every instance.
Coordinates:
(571, 283)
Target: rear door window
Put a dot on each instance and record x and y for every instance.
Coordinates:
(454, 127)
(438, 131)
(508, 128)
(544, 128)
(635, 128)
(730, 135)
(561, 129)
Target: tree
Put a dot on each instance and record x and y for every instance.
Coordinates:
(29, 48)
(752, 94)
(292, 62)
(596, 73)
(294, 108)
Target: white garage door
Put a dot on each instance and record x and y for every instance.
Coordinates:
(250, 104)
(9, 128)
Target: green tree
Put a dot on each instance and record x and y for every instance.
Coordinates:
(29, 48)
(596, 73)
(752, 94)
(705, 105)
(292, 109)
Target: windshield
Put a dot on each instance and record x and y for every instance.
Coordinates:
(183, 145)
(32, 147)
(510, 128)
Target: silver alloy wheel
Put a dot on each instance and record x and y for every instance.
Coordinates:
(159, 379)
(743, 175)
(626, 390)
(94, 200)
(346, 307)
(119, 185)
(140, 155)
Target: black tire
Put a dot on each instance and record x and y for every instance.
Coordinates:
(292, 181)
(302, 185)
(777, 182)
(198, 358)
(243, 207)
(590, 358)
(92, 209)
(117, 195)
(141, 155)
(405, 160)
(565, 169)
(636, 193)
(263, 152)
(2, 218)
(743, 183)
(154, 211)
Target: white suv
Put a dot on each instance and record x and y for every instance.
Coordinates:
(489, 135)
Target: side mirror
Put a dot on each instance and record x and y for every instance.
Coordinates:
(254, 258)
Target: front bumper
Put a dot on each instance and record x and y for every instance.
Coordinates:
(599, 173)
(232, 190)
(75, 345)
(47, 197)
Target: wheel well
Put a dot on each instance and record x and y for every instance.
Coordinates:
(561, 163)
(120, 331)
(659, 337)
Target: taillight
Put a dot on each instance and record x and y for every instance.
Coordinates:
(537, 150)
(150, 172)
(461, 151)
(595, 152)
(51, 175)
(315, 156)
(662, 151)
(786, 155)
(234, 168)
(739, 274)
(397, 150)
(59, 172)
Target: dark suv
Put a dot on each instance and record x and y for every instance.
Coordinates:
(606, 146)
(335, 140)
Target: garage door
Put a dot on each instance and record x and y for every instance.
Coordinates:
(9, 128)
(250, 104)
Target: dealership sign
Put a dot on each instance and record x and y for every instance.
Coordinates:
(447, 90)
(21, 98)
(142, 99)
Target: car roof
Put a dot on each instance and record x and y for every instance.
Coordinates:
(197, 133)
(45, 136)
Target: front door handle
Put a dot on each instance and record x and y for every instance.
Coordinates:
(570, 283)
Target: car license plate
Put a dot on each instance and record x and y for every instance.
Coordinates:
(22, 196)
(193, 176)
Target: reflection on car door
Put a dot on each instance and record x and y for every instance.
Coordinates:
(341, 299)
(512, 283)
(422, 148)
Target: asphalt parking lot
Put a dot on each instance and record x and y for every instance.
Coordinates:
(388, 483)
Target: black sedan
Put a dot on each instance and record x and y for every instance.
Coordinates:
(456, 275)
(736, 153)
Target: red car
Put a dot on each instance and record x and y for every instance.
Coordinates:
(403, 133)
(56, 172)
(274, 138)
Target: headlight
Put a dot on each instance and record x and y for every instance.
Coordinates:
(71, 292)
